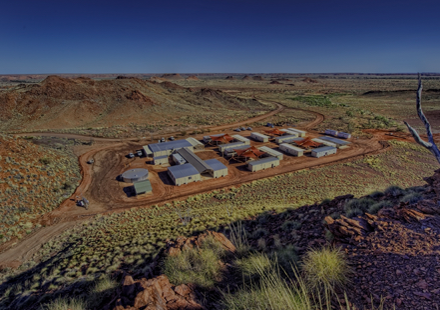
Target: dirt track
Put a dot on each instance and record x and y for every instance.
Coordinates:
(99, 183)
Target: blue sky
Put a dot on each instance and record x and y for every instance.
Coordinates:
(224, 36)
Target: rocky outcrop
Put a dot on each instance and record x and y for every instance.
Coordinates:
(154, 294)
(230, 77)
(175, 247)
(258, 78)
(275, 82)
(309, 80)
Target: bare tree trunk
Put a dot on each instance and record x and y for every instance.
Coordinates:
(431, 144)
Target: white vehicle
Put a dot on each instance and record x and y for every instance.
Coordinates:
(130, 155)
(139, 153)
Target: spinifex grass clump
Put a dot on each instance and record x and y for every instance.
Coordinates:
(200, 266)
(66, 304)
(325, 269)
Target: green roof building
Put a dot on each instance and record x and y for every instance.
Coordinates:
(142, 187)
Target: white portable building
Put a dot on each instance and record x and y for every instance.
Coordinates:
(339, 143)
(344, 135)
(224, 147)
(289, 132)
(197, 145)
(160, 160)
(323, 151)
(261, 164)
(242, 139)
(178, 160)
(325, 142)
(331, 132)
(271, 152)
(292, 150)
(259, 137)
(166, 148)
(301, 133)
(282, 139)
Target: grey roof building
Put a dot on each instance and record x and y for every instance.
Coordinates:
(218, 169)
(323, 151)
(183, 174)
(194, 160)
(166, 148)
(338, 142)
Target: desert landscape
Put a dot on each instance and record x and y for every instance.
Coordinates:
(77, 232)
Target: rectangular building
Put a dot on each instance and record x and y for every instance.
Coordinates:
(183, 174)
(282, 139)
(197, 145)
(142, 187)
(160, 160)
(178, 160)
(147, 151)
(261, 164)
(230, 152)
(271, 152)
(239, 138)
(218, 169)
(289, 132)
(301, 133)
(331, 132)
(208, 139)
(339, 143)
(292, 150)
(323, 151)
(166, 148)
(325, 142)
(259, 137)
(344, 135)
(227, 146)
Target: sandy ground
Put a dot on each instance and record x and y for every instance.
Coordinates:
(107, 194)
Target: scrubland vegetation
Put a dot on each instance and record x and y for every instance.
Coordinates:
(131, 240)
(33, 181)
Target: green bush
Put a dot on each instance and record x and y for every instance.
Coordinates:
(251, 266)
(394, 191)
(259, 233)
(66, 304)
(290, 225)
(377, 206)
(412, 198)
(354, 212)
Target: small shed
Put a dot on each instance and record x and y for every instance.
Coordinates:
(242, 139)
(292, 150)
(331, 132)
(344, 135)
(142, 187)
(301, 133)
(259, 137)
(325, 142)
(218, 169)
(282, 139)
(161, 160)
(178, 160)
(261, 164)
(183, 174)
(197, 145)
(224, 147)
(271, 152)
(323, 151)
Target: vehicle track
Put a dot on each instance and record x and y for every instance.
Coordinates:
(65, 216)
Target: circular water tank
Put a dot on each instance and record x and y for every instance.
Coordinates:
(134, 175)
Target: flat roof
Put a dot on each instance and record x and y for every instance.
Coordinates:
(324, 149)
(194, 160)
(259, 134)
(160, 157)
(238, 147)
(143, 186)
(294, 129)
(231, 145)
(269, 151)
(215, 164)
(170, 145)
(193, 141)
(262, 161)
(241, 138)
(337, 141)
(147, 150)
(135, 173)
(289, 146)
(182, 171)
(287, 137)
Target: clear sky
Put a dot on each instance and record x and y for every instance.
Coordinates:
(224, 36)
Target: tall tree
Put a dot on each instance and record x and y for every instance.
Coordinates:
(431, 144)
